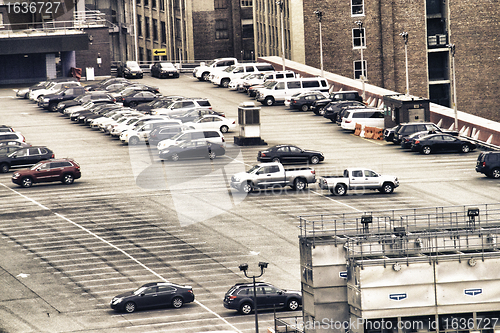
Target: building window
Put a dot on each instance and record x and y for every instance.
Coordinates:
(153, 3)
(357, 69)
(146, 23)
(138, 2)
(176, 4)
(146, 3)
(357, 7)
(162, 4)
(148, 55)
(177, 28)
(220, 4)
(246, 3)
(221, 29)
(155, 29)
(163, 33)
(139, 25)
(358, 38)
(247, 31)
(141, 54)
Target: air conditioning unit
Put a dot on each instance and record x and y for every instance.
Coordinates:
(432, 40)
(442, 39)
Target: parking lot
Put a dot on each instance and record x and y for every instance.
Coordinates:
(133, 219)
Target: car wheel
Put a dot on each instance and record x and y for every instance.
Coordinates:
(276, 160)
(246, 187)
(246, 308)
(132, 104)
(304, 107)
(205, 76)
(175, 157)
(4, 168)
(52, 107)
(314, 159)
(212, 155)
(426, 150)
(299, 184)
(68, 179)
(292, 304)
(130, 307)
(224, 129)
(224, 83)
(177, 302)
(495, 173)
(387, 188)
(321, 112)
(340, 189)
(26, 182)
(269, 101)
(465, 148)
(316, 111)
(133, 141)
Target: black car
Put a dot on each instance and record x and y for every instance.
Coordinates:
(153, 294)
(162, 133)
(137, 97)
(332, 109)
(318, 106)
(397, 133)
(129, 70)
(164, 70)
(93, 96)
(240, 297)
(25, 156)
(488, 163)
(441, 142)
(193, 149)
(50, 101)
(303, 101)
(407, 141)
(289, 154)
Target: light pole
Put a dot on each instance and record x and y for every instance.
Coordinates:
(404, 34)
(244, 268)
(319, 14)
(282, 4)
(362, 38)
(452, 50)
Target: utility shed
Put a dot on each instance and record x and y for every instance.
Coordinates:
(402, 108)
(426, 270)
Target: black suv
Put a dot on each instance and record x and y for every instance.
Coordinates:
(332, 110)
(50, 101)
(26, 156)
(318, 106)
(488, 163)
(240, 297)
(397, 133)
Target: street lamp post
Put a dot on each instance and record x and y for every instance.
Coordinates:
(404, 34)
(281, 4)
(452, 50)
(319, 14)
(362, 39)
(244, 268)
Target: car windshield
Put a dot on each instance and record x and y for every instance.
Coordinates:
(133, 65)
(140, 290)
(229, 69)
(167, 65)
(254, 169)
(87, 104)
(270, 84)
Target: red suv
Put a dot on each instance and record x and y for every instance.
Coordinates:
(63, 170)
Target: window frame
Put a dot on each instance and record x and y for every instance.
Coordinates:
(353, 6)
(361, 38)
(357, 72)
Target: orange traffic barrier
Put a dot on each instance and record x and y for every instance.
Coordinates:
(357, 129)
(369, 132)
(378, 134)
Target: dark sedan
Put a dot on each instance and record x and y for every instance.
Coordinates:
(289, 154)
(192, 149)
(26, 156)
(153, 294)
(164, 69)
(442, 143)
(408, 141)
(138, 97)
(332, 110)
(304, 101)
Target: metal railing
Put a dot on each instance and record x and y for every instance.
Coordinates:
(289, 324)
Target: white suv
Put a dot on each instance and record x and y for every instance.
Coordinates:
(192, 135)
(141, 132)
(182, 106)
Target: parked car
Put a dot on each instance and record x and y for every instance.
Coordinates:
(204, 71)
(223, 78)
(7, 149)
(358, 179)
(138, 97)
(289, 154)
(24, 93)
(5, 128)
(349, 95)
(92, 96)
(12, 136)
(50, 89)
(162, 133)
(192, 149)
(130, 70)
(50, 101)
(240, 297)
(192, 115)
(303, 101)
(277, 91)
(179, 107)
(164, 70)
(407, 141)
(441, 142)
(251, 86)
(346, 109)
(62, 170)
(397, 133)
(160, 102)
(332, 109)
(155, 294)
(26, 156)
(102, 85)
(134, 87)
(488, 163)
(237, 84)
(192, 135)
(141, 132)
(366, 117)
(212, 122)
(273, 174)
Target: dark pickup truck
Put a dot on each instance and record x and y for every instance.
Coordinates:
(318, 106)
(50, 101)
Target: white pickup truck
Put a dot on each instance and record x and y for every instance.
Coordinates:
(358, 179)
(273, 174)
(204, 71)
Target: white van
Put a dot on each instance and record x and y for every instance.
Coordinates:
(267, 77)
(222, 79)
(366, 117)
(192, 135)
(278, 90)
